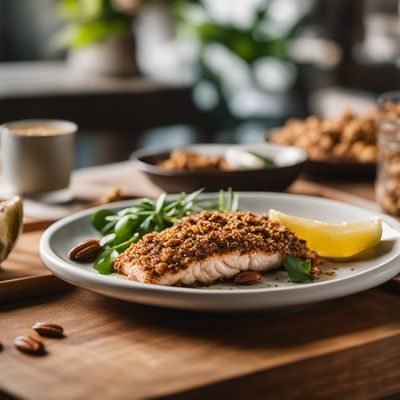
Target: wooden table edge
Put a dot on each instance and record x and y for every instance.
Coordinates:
(355, 364)
(22, 288)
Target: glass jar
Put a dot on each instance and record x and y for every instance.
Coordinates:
(388, 136)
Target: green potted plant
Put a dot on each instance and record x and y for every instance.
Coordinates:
(98, 35)
(242, 67)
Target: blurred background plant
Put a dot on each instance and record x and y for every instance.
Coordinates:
(236, 56)
(88, 21)
(241, 54)
(99, 36)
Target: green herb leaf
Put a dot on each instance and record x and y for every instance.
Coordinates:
(160, 203)
(99, 220)
(124, 227)
(191, 197)
(123, 246)
(221, 205)
(107, 239)
(230, 204)
(298, 270)
(104, 261)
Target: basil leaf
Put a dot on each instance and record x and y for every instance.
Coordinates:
(99, 219)
(298, 270)
(120, 247)
(107, 239)
(123, 229)
(104, 261)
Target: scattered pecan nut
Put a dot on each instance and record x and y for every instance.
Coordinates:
(112, 196)
(29, 344)
(85, 251)
(248, 278)
(48, 329)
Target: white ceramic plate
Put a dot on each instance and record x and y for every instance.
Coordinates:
(370, 269)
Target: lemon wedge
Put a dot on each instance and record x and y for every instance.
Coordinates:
(332, 240)
(11, 218)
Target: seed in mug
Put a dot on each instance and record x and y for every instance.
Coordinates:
(48, 329)
(29, 344)
(38, 131)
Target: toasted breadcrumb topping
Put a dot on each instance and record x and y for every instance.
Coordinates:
(187, 161)
(197, 237)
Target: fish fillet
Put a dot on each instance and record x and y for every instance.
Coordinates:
(211, 247)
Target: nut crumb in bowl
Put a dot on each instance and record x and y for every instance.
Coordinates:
(188, 161)
(348, 138)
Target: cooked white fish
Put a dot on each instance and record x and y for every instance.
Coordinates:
(211, 247)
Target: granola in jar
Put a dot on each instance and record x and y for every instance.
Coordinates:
(388, 177)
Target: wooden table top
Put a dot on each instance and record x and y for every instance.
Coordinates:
(345, 348)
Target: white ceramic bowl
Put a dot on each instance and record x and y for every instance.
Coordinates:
(288, 164)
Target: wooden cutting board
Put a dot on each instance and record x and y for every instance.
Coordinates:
(23, 273)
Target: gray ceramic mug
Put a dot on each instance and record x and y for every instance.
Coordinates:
(37, 155)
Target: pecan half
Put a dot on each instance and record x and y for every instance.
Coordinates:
(248, 278)
(29, 344)
(85, 251)
(48, 329)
